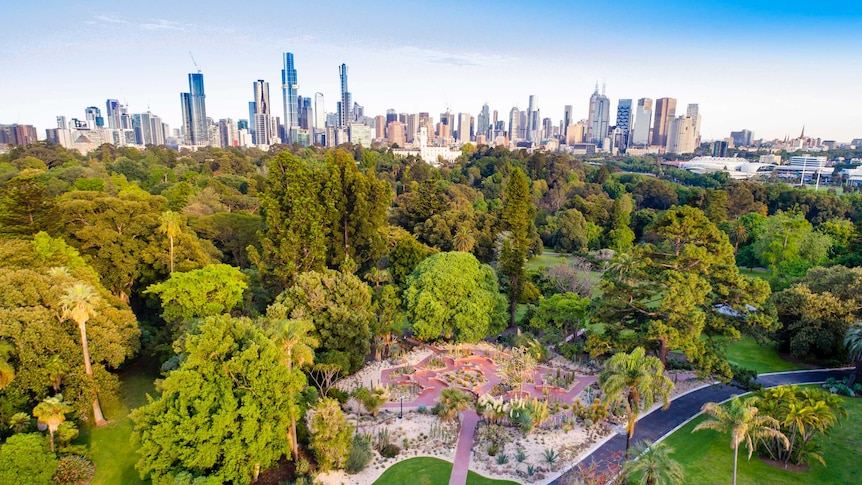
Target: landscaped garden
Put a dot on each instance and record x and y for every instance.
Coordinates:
(429, 471)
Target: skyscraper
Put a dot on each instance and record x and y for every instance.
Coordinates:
(94, 117)
(483, 121)
(112, 113)
(693, 112)
(288, 89)
(262, 116)
(193, 104)
(514, 124)
(624, 122)
(319, 113)
(643, 120)
(680, 135)
(464, 127)
(599, 117)
(346, 104)
(533, 120)
(567, 119)
(665, 112)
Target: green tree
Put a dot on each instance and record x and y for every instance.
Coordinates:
(52, 412)
(517, 221)
(453, 401)
(7, 371)
(744, 423)
(639, 381)
(24, 460)
(222, 412)
(212, 290)
(651, 464)
(789, 246)
(853, 343)
(171, 226)
(563, 312)
(295, 340)
(339, 306)
(405, 256)
(331, 435)
(79, 304)
(387, 319)
(26, 208)
(454, 296)
(572, 228)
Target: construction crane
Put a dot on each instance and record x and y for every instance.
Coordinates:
(194, 62)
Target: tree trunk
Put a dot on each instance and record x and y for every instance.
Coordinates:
(172, 254)
(97, 408)
(854, 376)
(735, 455)
(294, 448)
(51, 433)
(663, 350)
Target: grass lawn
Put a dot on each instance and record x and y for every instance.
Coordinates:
(747, 353)
(708, 458)
(429, 471)
(754, 272)
(110, 446)
(547, 259)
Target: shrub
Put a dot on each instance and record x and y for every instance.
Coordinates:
(745, 378)
(360, 454)
(422, 409)
(678, 364)
(551, 455)
(531, 470)
(520, 456)
(390, 451)
(74, 470)
(339, 395)
(502, 459)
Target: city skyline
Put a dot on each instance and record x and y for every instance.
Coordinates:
(764, 80)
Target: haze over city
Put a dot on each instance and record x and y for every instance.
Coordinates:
(771, 66)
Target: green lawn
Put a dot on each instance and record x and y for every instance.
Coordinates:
(429, 471)
(747, 353)
(754, 272)
(110, 446)
(547, 259)
(708, 458)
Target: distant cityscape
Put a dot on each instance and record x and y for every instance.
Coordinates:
(645, 126)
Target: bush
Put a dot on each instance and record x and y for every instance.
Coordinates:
(390, 451)
(502, 459)
(836, 386)
(679, 364)
(360, 454)
(745, 378)
(341, 396)
(74, 470)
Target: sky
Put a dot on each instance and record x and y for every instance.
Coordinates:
(768, 66)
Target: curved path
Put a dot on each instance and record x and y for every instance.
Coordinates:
(657, 424)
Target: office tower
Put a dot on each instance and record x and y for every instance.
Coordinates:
(412, 127)
(624, 122)
(681, 136)
(483, 121)
(567, 119)
(742, 138)
(228, 133)
(391, 115)
(345, 114)
(306, 114)
(642, 121)
(193, 104)
(395, 133)
(575, 133)
(514, 124)
(665, 112)
(319, 113)
(547, 129)
(719, 148)
(61, 122)
(463, 127)
(379, 126)
(260, 114)
(94, 117)
(599, 117)
(532, 125)
(16, 134)
(112, 113)
(288, 89)
(693, 112)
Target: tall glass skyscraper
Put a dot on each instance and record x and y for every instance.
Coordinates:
(194, 109)
(624, 122)
(288, 88)
(346, 104)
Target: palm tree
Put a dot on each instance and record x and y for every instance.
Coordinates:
(57, 369)
(651, 462)
(79, 304)
(171, 226)
(378, 276)
(639, 380)
(463, 240)
(453, 401)
(853, 343)
(294, 337)
(742, 420)
(7, 372)
(52, 411)
(739, 234)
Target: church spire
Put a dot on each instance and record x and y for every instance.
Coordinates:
(803, 133)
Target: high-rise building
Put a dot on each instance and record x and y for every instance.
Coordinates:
(289, 87)
(642, 122)
(113, 112)
(514, 125)
(575, 133)
(261, 115)
(567, 119)
(719, 148)
(193, 104)
(94, 117)
(483, 121)
(665, 112)
(319, 113)
(16, 134)
(345, 112)
(681, 136)
(742, 138)
(599, 117)
(395, 133)
(624, 123)
(228, 133)
(380, 126)
(412, 127)
(693, 112)
(464, 127)
(306, 114)
(533, 119)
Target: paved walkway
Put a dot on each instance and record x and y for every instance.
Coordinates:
(657, 424)
(469, 420)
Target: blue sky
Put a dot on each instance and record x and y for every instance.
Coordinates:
(768, 66)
